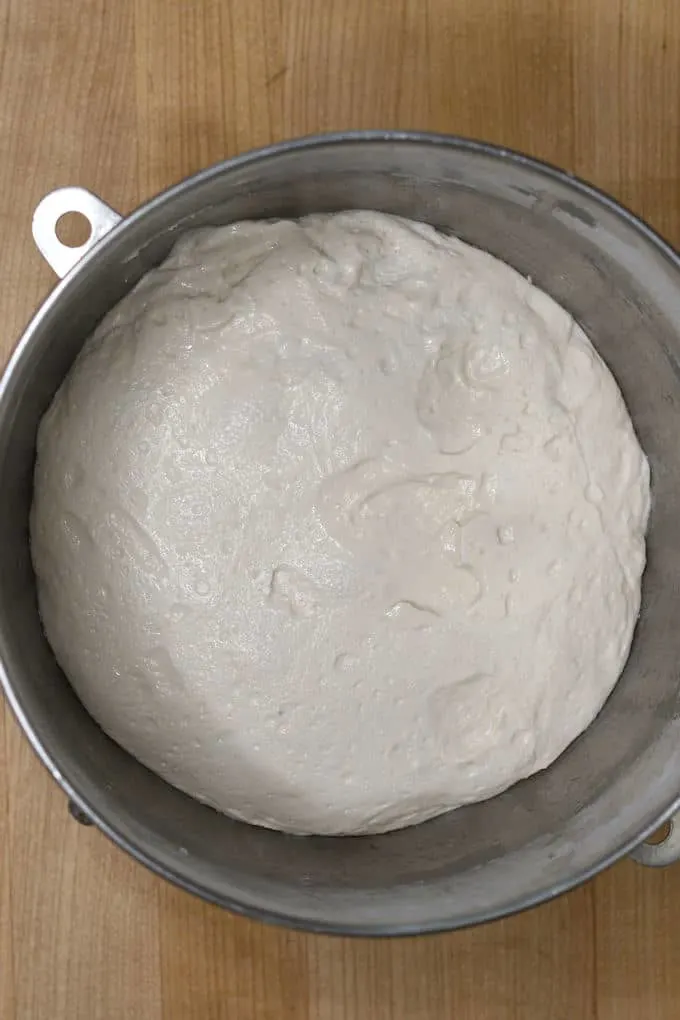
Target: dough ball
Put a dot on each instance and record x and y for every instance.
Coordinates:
(339, 524)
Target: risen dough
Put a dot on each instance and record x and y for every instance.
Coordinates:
(339, 524)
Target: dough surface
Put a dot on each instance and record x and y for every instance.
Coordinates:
(339, 524)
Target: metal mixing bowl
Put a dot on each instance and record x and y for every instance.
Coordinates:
(616, 783)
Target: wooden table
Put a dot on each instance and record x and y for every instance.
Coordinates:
(127, 96)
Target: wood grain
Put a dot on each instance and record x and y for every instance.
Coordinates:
(126, 98)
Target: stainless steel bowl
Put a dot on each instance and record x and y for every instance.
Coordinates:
(616, 783)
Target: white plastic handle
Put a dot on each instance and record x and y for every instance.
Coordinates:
(49, 211)
(658, 855)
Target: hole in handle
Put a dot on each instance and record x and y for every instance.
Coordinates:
(73, 229)
(660, 835)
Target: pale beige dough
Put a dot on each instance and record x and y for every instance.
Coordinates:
(339, 524)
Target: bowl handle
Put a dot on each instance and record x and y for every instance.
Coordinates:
(658, 855)
(49, 211)
(79, 814)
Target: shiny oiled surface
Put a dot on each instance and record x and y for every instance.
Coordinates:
(125, 98)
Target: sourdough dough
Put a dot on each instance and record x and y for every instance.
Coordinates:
(339, 523)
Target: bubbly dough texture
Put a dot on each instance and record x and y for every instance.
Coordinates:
(339, 523)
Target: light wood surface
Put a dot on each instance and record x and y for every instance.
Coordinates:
(127, 96)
